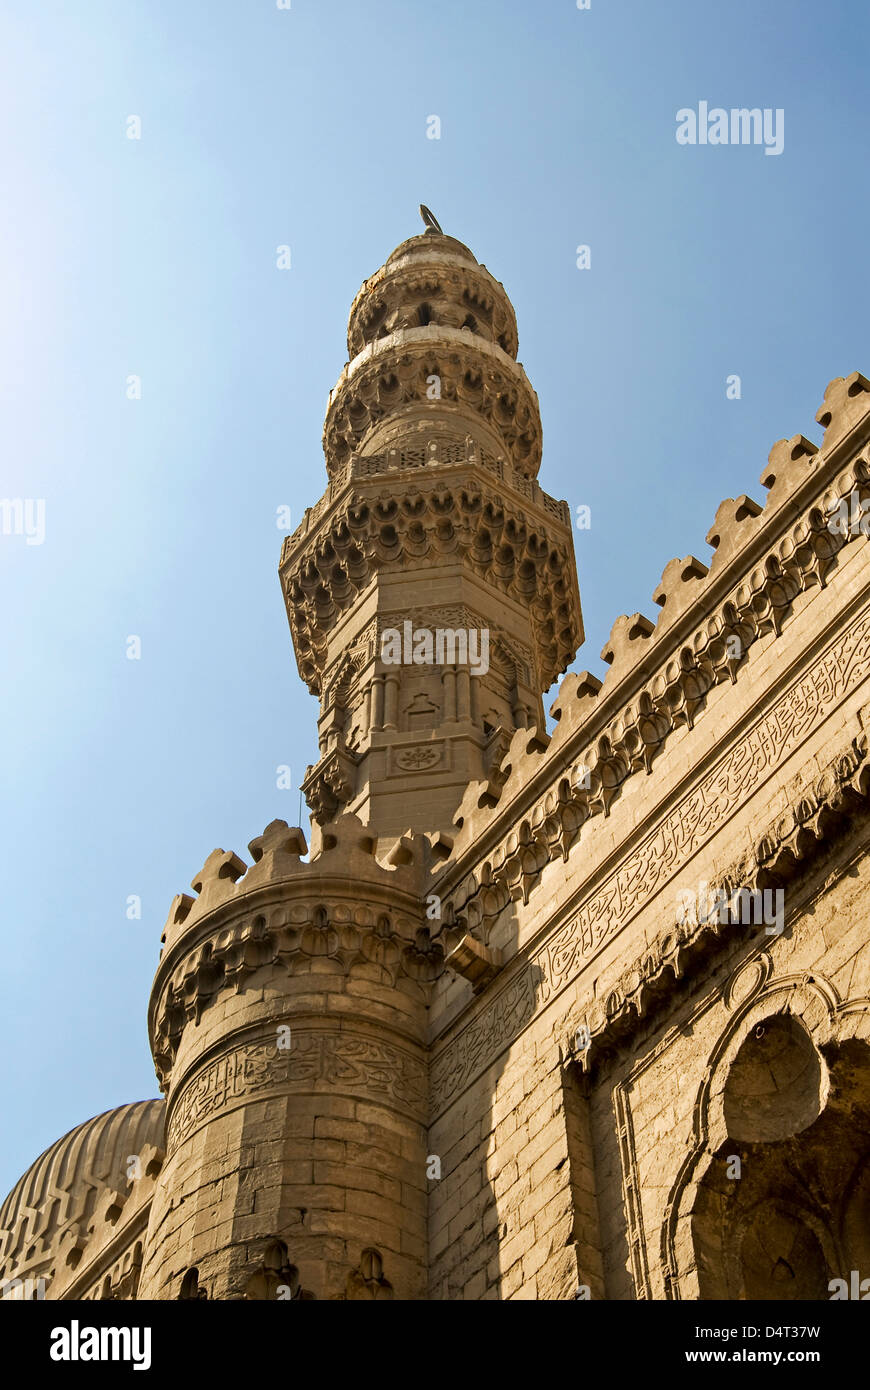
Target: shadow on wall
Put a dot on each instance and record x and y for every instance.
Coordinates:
(799, 1217)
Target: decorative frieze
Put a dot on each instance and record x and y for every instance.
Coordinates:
(293, 938)
(343, 1061)
(527, 558)
(446, 288)
(792, 838)
(584, 785)
(842, 667)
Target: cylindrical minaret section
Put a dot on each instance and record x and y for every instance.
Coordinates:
(287, 1017)
(432, 345)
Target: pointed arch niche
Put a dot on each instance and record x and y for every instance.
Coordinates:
(774, 1201)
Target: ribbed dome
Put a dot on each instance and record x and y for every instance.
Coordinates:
(61, 1187)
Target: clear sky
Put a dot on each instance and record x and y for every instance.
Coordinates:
(156, 257)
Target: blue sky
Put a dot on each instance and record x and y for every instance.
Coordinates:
(156, 257)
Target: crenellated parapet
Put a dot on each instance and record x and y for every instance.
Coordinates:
(511, 826)
(343, 911)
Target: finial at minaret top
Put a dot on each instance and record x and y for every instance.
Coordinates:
(431, 221)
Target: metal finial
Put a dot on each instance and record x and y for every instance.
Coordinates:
(431, 221)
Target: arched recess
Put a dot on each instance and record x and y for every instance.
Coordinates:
(275, 1277)
(773, 1200)
(508, 674)
(191, 1288)
(337, 712)
(367, 1283)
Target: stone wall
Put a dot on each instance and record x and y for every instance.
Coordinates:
(575, 1163)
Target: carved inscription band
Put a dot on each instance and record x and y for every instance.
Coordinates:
(689, 825)
(354, 1065)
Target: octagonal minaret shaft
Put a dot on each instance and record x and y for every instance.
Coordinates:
(432, 592)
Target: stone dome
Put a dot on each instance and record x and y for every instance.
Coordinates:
(60, 1188)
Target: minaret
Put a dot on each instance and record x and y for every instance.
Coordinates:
(289, 1014)
(431, 592)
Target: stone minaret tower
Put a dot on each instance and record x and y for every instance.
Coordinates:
(288, 1017)
(432, 521)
